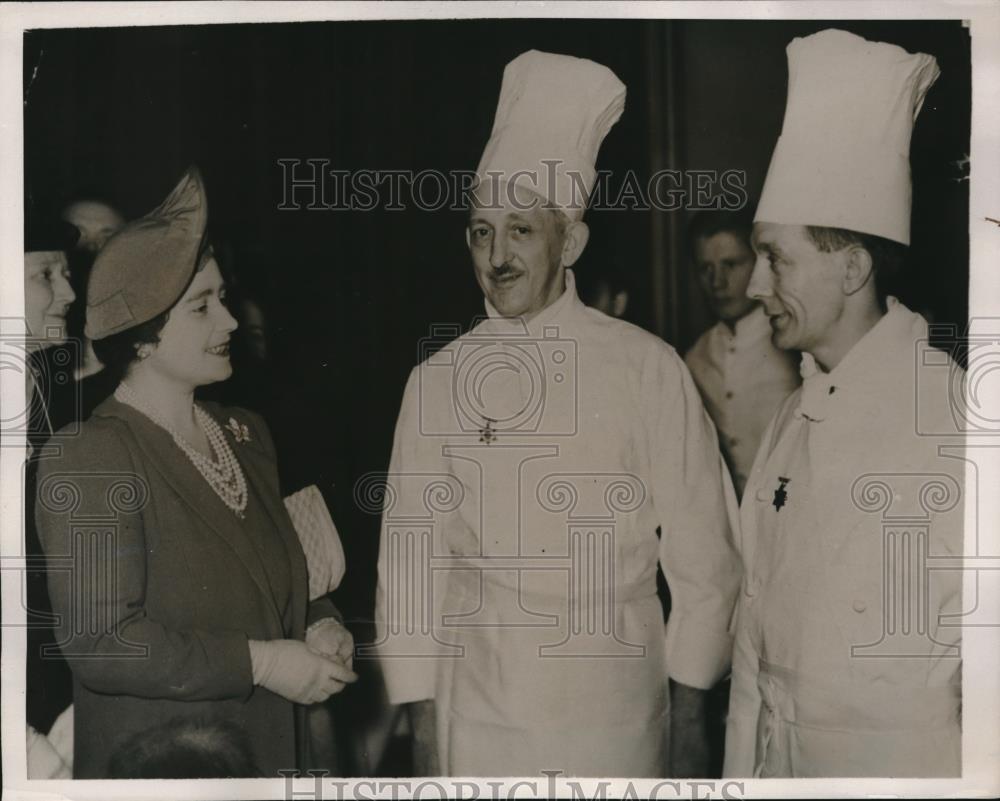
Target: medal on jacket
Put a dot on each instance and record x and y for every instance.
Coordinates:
(487, 434)
(780, 496)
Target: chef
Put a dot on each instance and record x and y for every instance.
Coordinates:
(844, 663)
(541, 451)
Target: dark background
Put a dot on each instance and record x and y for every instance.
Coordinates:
(119, 113)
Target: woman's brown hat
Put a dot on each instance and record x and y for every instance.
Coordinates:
(145, 267)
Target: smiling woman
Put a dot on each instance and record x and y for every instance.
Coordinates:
(187, 344)
(206, 616)
(47, 296)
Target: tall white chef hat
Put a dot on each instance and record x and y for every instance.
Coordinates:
(554, 112)
(842, 160)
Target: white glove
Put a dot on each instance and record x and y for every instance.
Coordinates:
(330, 638)
(44, 761)
(290, 669)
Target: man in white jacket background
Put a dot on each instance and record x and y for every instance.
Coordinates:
(741, 375)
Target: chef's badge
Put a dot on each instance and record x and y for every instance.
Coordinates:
(780, 495)
(487, 434)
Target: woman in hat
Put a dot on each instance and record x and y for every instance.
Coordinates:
(188, 593)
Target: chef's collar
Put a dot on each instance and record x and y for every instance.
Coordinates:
(864, 365)
(548, 316)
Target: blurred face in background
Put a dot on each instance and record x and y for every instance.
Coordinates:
(47, 297)
(602, 295)
(724, 264)
(253, 326)
(96, 221)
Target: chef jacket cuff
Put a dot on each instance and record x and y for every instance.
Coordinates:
(696, 654)
(741, 747)
(409, 680)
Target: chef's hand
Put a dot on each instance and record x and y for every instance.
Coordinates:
(423, 723)
(688, 732)
(330, 638)
(290, 669)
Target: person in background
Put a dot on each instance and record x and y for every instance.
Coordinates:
(97, 221)
(847, 660)
(83, 384)
(256, 334)
(741, 375)
(183, 748)
(48, 296)
(606, 290)
(209, 614)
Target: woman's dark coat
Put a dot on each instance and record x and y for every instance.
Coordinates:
(164, 586)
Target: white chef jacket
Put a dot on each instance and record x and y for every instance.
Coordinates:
(618, 445)
(846, 497)
(743, 378)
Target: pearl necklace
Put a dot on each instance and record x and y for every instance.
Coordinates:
(223, 473)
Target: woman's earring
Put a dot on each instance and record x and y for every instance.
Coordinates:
(143, 351)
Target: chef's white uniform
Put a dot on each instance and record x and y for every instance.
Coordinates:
(843, 664)
(551, 485)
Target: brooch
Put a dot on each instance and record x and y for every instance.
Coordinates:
(239, 430)
(780, 496)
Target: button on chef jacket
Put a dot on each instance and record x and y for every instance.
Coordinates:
(621, 445)
(743, 378)
(844, 489)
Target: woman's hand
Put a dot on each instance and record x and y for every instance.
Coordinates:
(330, 638)
(290, 669)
